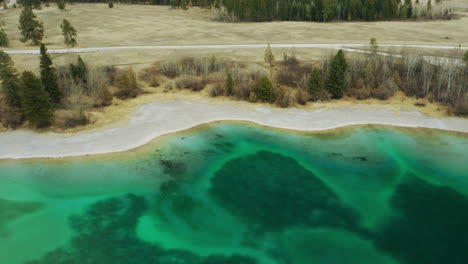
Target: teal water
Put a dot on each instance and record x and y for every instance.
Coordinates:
(236, 193)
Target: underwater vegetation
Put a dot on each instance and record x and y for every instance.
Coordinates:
(236, 194)
(105, 233)
(270, 191)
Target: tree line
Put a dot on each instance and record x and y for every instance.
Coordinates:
(29, 95)
(293, 10)
(323, 10)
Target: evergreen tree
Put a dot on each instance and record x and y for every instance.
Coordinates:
(465, 57)
(36, 103)
(229, 85)
(10, 81)
(373, 45)
(328, 10)
(4, 42)
(264, 90)
(49, 76)
(336, 80)
(315, 84)
(69, 33)
(61, 4)
(31, 29)
(269, 57)
(79, 72)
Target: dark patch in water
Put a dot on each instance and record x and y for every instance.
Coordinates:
(10, 210)
(336, 154)
(224, 146)
(220, 136)
(105, 234)
(431, 226)
(173, 168)
(272, 192)
(360, 158)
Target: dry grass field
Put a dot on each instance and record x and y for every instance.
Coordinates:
(137, 25)
(131, 25)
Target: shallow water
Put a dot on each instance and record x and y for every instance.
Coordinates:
(237, 193)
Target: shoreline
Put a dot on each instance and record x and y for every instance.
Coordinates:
(168, 116)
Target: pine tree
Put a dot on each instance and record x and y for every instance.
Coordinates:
(10, 82)
(264, 90)
(328, 10)
(269, 57)
(79, 71)
(336, 81)
(31, 29)
(373, 45)
(69, 33)
(49, 76)
(315, 84)
(4, 42)
(61, 4)
(229, 85)
(36, 103)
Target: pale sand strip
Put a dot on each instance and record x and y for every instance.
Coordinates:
(159, 118)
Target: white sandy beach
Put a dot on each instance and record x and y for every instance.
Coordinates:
(159, 118)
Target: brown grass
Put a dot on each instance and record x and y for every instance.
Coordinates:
(129, 25)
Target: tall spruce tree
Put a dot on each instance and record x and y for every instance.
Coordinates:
(4, 42)
(265, 90)
(269, 57)
(69, 33)
(36, 103)
(49, 76)
(31, 29)
(61, 4)
(315, 84)
(229, 85)
(10, 82)
(336, 80)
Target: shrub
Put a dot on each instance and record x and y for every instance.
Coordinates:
(71, 119)
(264, 90)
(11, 119)
(190, 82)
(284, 97)
(154, 81)
(217, 89)
(244, 90)
(104, 98)
(360, 93)
(111, 5)
(460, 109)
(290, 60)
(252, 97)
(293, 76)
(126, 82)
(302, 96)
(323, 95)
(193, 66)
(385, 90)
(168, 86)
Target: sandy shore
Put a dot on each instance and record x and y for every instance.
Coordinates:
(167, 116)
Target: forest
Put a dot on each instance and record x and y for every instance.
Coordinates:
(297, 10)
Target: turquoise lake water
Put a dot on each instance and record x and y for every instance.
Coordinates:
(243, 194)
